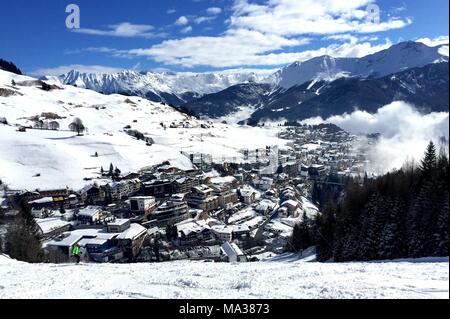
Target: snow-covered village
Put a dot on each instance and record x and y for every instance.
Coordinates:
(325, 178)
(202, 206)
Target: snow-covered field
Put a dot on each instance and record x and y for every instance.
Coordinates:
(64, 159)
(283, 279)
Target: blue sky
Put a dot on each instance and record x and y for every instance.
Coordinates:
(207, 35)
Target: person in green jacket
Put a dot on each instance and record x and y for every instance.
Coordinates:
(76, 252)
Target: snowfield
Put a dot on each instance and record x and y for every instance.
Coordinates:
(42, 159)
(284, 279)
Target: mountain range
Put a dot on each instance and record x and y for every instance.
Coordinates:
(168, 87)
(409, 71)
(321, 86)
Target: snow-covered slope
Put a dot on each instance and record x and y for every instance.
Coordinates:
(421, 279)
(169, 87)
(52, 159)
(397, 58)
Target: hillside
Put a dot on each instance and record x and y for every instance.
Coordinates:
(49, 159)
(234, 104)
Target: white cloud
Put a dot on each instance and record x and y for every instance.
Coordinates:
(183, 20)
(124, 29)
(435, 41)
(214, 11)
(63, 69)
(246, 48)
(405, 132)
(293, 17)
(171, 11)
(236, 48)
(188, 29)
(202, 19)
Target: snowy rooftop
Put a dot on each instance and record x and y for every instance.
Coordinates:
(222, 229)
(249, 212)
(133, 232)
(44, 200)
(48, 225)
(89, 211)
(119, 222)
(92, 241)
(76, 235)
(189, 228)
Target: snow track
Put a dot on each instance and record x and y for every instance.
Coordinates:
(424, 279)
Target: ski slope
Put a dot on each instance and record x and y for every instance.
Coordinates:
(284, 279)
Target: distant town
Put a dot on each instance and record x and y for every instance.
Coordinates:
(224, 212)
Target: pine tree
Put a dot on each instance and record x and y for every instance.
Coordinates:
(111, 170)
(368, 239)
(441, 234)
(388, 246)
(296, 239)
(428, 164)
(325, 224)
(22, 240)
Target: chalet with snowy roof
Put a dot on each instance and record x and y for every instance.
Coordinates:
(118, 225)
(92, 194)
(47, 202)
(202, 197)
(226, 195)
(185, 184)
(241, 231)
(52, 227)
(90, 214)
(292, 207)
(191, 233)
(248, 195)
(223, 233)
(123, 189)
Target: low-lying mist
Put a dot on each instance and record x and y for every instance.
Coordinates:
(405, 133)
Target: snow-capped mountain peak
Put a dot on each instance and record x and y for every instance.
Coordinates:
(397, 58)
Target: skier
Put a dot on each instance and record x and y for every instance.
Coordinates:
(76, 252)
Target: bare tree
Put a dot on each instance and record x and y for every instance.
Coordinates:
(53, 125)
(77, 126)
